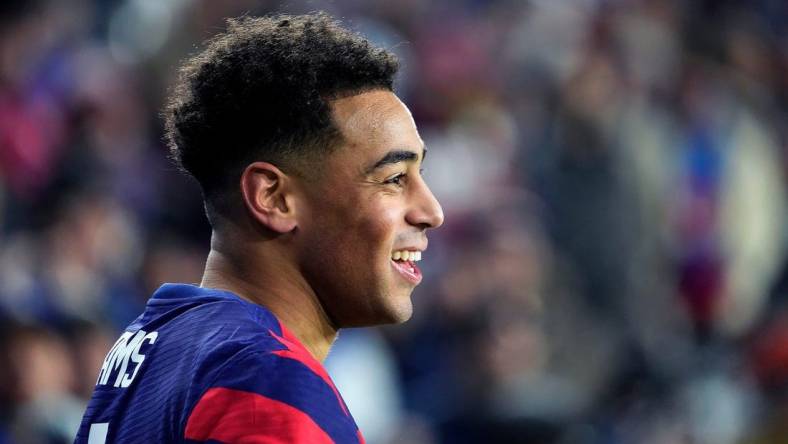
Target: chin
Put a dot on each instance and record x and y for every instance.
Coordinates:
(386, 313)
(399, 316)
(397, 312)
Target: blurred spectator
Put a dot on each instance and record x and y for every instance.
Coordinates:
(41, 378)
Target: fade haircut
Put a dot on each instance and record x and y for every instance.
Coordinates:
(261, 91)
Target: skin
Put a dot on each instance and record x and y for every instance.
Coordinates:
(316, 250)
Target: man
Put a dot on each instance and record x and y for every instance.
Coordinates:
(310, 170)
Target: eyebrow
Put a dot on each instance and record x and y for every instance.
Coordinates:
(396, 156)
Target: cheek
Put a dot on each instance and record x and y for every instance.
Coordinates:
(363, 244)
(377, 228)
(356, 238)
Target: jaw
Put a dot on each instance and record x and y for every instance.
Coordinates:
(387, 301)
(357, 288)
(397, 307)
(351, 298)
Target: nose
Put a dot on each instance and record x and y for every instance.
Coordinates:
(426, 211)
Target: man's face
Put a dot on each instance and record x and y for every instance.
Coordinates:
(369, 204)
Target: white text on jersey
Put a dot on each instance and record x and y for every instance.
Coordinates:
(126, 348)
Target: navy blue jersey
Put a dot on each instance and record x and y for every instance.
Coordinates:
(205, 365)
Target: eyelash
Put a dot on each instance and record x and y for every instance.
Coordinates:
(397, 180)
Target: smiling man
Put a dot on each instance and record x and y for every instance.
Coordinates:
(310, 171)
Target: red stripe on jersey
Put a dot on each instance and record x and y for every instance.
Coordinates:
(236, 416)
(295, 350)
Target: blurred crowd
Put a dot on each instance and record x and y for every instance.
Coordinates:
(614, 174)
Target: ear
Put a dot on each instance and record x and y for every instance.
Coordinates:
(267, 194)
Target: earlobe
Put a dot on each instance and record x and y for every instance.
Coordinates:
(266, 194)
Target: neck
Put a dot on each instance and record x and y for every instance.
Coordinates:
(278, 287)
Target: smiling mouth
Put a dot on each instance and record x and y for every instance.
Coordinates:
(405, 263)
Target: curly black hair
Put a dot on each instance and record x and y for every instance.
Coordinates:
(262, 91)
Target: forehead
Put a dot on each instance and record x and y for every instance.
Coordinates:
(375, 122)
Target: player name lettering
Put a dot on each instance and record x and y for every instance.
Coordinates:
(126, 348)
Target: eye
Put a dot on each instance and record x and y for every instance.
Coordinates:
(395, 180)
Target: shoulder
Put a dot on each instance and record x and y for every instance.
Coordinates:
(276, 393)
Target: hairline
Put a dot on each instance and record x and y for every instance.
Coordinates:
(291, 162)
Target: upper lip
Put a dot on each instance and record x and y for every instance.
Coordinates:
(412, 248)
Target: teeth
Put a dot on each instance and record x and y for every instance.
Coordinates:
(406, 256)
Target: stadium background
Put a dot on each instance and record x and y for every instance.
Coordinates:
(613, 264)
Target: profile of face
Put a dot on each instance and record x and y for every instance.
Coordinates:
(369, 206)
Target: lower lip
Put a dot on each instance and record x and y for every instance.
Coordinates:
(404, 269)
